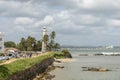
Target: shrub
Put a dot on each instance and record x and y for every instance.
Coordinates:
(66, 53)
(63, 54)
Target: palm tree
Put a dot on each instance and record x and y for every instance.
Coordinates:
(51, 42)
(52, 35)
(51, 45)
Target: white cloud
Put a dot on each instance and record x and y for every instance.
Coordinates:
(100, 4)
(23, 20)
(87, 3)
(64, 15)
(113, 22)
(48, 20)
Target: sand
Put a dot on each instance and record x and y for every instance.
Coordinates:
(66, 60)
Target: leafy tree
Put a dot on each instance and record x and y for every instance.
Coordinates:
(56, 46)
(50, 45)
(34, 45)
(38, 46)
(22, 45)
(30, 43)
(10, 44)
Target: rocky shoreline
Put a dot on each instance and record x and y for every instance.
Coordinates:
(40, 71)
(46, 75)
(31, 72)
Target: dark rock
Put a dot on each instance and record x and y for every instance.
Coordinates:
(98, 54)
(95, 69)
(83, 55)
(59, 67)
(58, 61)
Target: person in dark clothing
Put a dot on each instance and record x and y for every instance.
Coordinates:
(30, 55)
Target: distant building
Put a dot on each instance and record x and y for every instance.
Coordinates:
(44, 45)
(1, 42)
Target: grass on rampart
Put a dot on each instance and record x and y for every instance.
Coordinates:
(2, 61)
(18, 65)
(22, 64)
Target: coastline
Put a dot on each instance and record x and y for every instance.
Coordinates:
(47, 74)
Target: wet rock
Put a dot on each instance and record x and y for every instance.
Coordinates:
(44, 76)
(58, 61)
(95, 69)
(83, 55)
(60, 67)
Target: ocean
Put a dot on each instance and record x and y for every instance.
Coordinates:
(73, 70)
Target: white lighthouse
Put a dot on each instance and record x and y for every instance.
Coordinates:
(44, 45)
(1, 42)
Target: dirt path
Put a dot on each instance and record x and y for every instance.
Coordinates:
(8, 61)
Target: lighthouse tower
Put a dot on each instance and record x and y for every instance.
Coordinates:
(44, 45)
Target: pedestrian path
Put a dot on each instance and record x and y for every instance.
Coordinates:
(14, 59)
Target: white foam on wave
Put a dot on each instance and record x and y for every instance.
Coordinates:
(110, 53)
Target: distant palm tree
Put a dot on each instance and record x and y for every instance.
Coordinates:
(52, 35)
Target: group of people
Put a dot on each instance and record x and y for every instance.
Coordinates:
(26, 55)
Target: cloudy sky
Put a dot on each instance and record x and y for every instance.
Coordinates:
(76, 22)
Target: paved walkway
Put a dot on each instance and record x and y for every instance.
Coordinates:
(14, 59)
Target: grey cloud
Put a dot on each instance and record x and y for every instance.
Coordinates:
(26, 9)
(73, 19)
